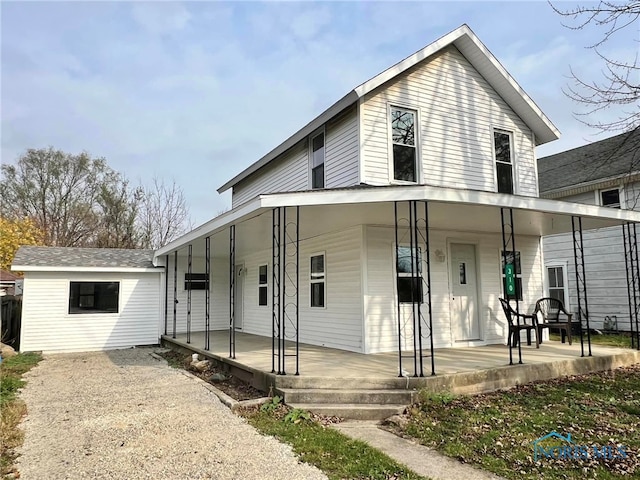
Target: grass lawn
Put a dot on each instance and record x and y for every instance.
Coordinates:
(12, 408)
(337, 455)
(495, 431)
(609, 339)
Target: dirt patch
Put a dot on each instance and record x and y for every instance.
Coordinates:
(232, 386)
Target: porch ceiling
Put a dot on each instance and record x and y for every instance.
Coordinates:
(449, 209)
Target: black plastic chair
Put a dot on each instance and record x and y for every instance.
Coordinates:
(527, 323)
(550, 310)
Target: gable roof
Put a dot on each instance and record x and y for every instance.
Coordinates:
(590, 165)
(473, 50)
(64, 258)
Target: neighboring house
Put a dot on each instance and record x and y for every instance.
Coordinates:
(328, 242)
(79, 299)
(605, 173)
(8, 283)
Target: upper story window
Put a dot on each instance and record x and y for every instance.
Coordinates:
(502, 143)
(317, 161)
(610, 198)
(403, 138)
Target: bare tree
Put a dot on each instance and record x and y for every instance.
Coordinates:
(620, 82)
(163, 214)
(58, 191)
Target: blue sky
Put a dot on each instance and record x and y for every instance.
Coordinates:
(198, 91)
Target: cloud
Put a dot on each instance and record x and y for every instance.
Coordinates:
(160, 18)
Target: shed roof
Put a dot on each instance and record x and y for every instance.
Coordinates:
(8, 277)
(69, 257)
(611, 158)
(473, 50)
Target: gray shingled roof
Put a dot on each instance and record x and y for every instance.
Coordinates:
(83, 257)
(611, 157)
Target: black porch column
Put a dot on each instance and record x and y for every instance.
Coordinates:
(175, 291)
(232, 291)
(166, 294)
(207, 292)
(630, 241)
(189, 276)
(581, 281)
(509, 250)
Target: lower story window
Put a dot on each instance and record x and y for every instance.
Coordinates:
(408, 279)
(263, 285)
(93, 297)
(318, 281)
(555, 276)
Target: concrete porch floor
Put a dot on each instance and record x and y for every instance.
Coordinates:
(319, 362)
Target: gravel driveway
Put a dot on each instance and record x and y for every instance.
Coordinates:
(125, 415)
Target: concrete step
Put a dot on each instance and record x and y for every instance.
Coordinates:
(343, 396)
(352, 411)
(302, 382)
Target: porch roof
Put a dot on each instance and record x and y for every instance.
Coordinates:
(449, 209)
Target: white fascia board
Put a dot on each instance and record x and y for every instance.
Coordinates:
(305, 131)
(33, 268)
(446, 195)
(210, 227)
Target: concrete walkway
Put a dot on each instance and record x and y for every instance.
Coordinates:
(422, 460)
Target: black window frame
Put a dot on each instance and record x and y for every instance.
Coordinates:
(263, 285)
(101, 301)
(195, 281)
(404, 146)
(610, 204)
(502, 165)
(317, 170)
(408, 286)
(318, 282)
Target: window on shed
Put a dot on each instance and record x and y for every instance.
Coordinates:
(403, 138)
(504, 160)
(93, 297)
(610, 198)
(196, 281)
(317, 161)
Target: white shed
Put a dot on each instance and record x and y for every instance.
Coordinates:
(82, 299)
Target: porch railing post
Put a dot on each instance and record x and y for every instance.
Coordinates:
(631, 283)
(275, 289)
(428, 292)
(508, 238)
(414, 295)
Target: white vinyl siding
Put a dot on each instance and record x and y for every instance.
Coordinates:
(339, 324)
(290, 171)
(457, 110)
(381, 307)
(604, 269)
(341, 161)
(588, 198)
(47, 325)
(219, 301)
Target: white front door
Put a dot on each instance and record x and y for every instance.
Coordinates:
(238, 296)
(464, 293)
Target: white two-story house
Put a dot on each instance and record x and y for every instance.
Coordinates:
(384, 224)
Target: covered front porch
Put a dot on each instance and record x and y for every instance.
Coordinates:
(373, 271)
(460, 370)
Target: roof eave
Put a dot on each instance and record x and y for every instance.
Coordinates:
(49, 268)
